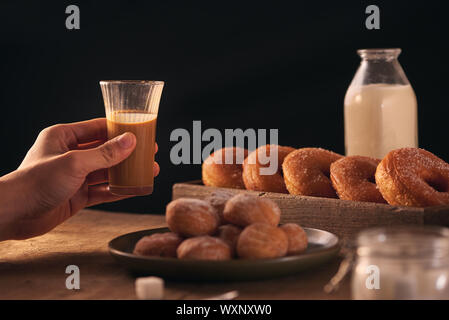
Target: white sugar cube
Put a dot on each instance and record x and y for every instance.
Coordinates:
(149, 288)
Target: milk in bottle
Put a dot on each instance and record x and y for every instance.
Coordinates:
(380, 107)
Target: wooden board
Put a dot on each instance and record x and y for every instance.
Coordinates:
(342, 217)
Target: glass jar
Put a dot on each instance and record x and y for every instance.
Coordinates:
(380, 107)
(402, 263)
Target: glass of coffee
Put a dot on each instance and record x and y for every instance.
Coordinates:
(132, 106)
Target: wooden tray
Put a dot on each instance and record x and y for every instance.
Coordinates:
(341, 217)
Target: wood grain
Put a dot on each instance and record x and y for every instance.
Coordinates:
(342, 217)
(35, 268)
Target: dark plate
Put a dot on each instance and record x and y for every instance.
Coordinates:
(323, 246)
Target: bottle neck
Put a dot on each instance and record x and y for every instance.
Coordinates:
(380, 66)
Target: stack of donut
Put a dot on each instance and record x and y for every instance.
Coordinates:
(222, 227)
(405, 177)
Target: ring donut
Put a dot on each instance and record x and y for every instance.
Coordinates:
(413, 177)
(307, 170)
(223, 168)
(353, 179)
(252, 177)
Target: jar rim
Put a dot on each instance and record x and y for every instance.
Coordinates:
(415, 242)
(379, 53)
(132, 82)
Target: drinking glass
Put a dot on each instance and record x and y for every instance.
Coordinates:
(132, 106)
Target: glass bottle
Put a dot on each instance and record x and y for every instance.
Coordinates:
(380, 107)
(408, 262)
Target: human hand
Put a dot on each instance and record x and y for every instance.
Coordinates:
(64, 171)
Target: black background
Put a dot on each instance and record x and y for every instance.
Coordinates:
(241, 64)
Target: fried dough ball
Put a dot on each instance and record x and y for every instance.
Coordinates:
(217, 200)
(262, 241)
(297, 238)
(191, 217)
(223, 168)
(229, 234)
(204, 248)
(158, 245)
(245, 209)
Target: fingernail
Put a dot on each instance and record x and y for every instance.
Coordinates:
(125, 141)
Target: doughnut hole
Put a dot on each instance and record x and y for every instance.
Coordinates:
(204, 248)
(262, 241)
(229, 234)
(158, 245)
(297, 238)
(245, 209)
(191, 217)
(217, 200)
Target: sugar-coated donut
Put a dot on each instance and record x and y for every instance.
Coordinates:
(217, 200)
(252, 176)
(223, 168)
(307, 170)
(413, 177)
(261, 240)
(204, 248)
(297, 238)
(191, 217)
(353, 179)
(245, 209)
(158, 245)
(229, 234)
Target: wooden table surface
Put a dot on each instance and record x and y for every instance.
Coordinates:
(35, 268)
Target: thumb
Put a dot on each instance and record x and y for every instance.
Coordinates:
(108, 154)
